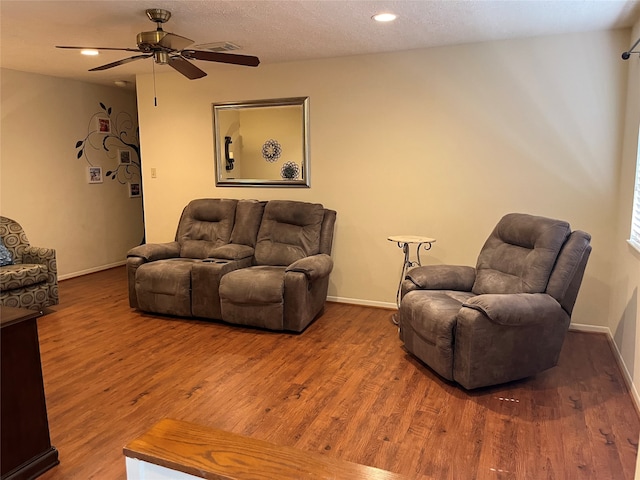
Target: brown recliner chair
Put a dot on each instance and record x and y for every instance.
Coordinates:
(505, 319)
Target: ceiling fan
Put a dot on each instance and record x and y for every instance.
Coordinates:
(171, 49)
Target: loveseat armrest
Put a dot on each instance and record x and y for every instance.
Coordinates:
(313, 267)
(516, 309)
(155, 251)
(442, 277)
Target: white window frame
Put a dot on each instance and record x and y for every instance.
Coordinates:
(634, 237)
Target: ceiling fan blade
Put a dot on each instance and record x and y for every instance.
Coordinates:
(120, 62)
(100, 48)
(186, 68)
(174, 42)
(247, 60)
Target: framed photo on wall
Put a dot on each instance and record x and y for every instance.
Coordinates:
(124, 157)
(134, 190)
(94, 174)
(103, 125)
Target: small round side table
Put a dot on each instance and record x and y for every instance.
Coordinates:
(404, 241)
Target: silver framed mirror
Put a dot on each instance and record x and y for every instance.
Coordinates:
(262, 142)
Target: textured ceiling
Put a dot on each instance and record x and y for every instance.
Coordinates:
(279, 31)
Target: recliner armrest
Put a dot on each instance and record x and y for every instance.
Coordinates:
(313, 267)
(442, 277)
(155, 251)
(516, 309)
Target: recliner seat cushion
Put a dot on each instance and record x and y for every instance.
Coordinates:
(428, 322)
(437, 310)
(519, 254)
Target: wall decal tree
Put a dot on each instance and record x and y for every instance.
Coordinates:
(105, 138)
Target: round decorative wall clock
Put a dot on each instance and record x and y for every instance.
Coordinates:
(271, 150)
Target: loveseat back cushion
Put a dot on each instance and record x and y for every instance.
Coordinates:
(14, 238)
(205, 225)
(519, 255)
(289, 231)
(247, 223)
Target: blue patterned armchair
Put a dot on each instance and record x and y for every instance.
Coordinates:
(28, 275)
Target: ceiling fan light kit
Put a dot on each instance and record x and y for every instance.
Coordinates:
(170, 49)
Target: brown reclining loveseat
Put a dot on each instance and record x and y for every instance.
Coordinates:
(248, 262)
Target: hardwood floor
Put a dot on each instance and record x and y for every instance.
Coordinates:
(344, 388)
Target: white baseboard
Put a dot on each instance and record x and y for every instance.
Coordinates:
(67, 276)
(581, 327)
(364, 303)
(578, 327)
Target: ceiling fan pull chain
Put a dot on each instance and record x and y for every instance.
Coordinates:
(155, 99)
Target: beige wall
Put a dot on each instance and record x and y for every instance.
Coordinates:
(439, 142)
(43, 185)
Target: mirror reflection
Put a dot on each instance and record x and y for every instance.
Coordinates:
(262, 142)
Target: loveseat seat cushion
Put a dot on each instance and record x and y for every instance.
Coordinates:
(22, 275)
(289, 231)
(254, 285)
(519, 254)
(254, 296)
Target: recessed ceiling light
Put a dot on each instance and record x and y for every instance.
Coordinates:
(89, 51)
(384, 17)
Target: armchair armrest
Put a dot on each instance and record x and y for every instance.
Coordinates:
(155, 251)
(516, 309)
(442, 277)
(313, 267)
(40, 255)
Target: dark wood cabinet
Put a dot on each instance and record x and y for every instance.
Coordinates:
(25, 445)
